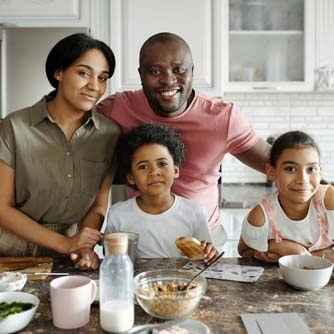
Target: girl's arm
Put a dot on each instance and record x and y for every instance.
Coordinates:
(329, 198)
(26, 228)
(256, 218)
(329, 205)
(329, 253)
(244, 250)
(287, 247)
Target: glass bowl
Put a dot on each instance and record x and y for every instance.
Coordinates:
(12, 281)
(158, 292)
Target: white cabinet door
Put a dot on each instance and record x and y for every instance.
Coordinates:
(269, 45)
(197, 21)
(324, 40)
(232, 221)
(44, 13)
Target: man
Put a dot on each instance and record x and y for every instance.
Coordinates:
(209, 127)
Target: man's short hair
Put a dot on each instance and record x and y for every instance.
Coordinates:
(162, 37)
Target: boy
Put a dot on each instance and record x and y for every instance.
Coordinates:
(151, 155)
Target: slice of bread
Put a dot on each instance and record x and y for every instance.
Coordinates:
(190, 247)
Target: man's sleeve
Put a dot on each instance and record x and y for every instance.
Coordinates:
(106, 105)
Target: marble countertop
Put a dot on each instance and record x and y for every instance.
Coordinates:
(219, 309)
(244, 195)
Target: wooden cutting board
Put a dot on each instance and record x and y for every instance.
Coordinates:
(27, 264)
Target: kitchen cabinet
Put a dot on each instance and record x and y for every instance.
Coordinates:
(44, 13)
(237, 45)
(232, 221)
(324, 41)
(269, 45)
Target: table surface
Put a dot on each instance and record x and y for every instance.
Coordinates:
(221, 306)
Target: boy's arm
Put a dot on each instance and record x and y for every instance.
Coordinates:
(85, 258)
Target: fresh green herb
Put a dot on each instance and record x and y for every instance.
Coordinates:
(11, 308)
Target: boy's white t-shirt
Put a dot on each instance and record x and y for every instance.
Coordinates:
(157, 233)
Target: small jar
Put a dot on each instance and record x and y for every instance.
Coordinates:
(253, 15)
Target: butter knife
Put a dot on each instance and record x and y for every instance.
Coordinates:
(49, 274)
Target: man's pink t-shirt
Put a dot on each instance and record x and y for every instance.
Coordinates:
(209, 128)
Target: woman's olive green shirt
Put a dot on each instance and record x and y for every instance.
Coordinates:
(56, 181)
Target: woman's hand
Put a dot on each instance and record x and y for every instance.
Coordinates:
(210, 252)
(85, 238)
(85, 259)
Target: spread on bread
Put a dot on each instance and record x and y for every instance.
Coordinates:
(190, 247)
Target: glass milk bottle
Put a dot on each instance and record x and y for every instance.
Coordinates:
(116, 285)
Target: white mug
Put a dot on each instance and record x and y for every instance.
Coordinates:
(71, 297)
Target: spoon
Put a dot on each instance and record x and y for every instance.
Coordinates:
(199, 273)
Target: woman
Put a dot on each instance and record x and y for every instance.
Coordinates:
(56, 158)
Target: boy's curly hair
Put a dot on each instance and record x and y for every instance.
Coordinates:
(149, 133)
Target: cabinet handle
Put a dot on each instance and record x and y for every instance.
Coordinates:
(266, 88)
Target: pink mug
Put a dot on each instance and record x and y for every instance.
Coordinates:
(71, 297)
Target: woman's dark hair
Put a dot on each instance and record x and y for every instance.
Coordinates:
(291, 139)
(149, 133)
(69, 49)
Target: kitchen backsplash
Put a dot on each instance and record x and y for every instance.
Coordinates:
(273, 114)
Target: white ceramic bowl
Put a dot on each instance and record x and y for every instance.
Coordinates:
(305, 272)
(12, 281)
(15, 322)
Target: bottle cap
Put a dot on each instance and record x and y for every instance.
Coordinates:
(117, 243)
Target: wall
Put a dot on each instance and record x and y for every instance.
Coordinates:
(272, 114)
(25, 56)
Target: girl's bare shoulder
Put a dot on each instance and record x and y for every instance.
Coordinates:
(256, 216)
(329, 198)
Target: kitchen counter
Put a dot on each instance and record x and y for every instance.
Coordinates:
(244, 195)
(221, 306)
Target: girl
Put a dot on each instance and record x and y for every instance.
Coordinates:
(299, 217)
(56, 158)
